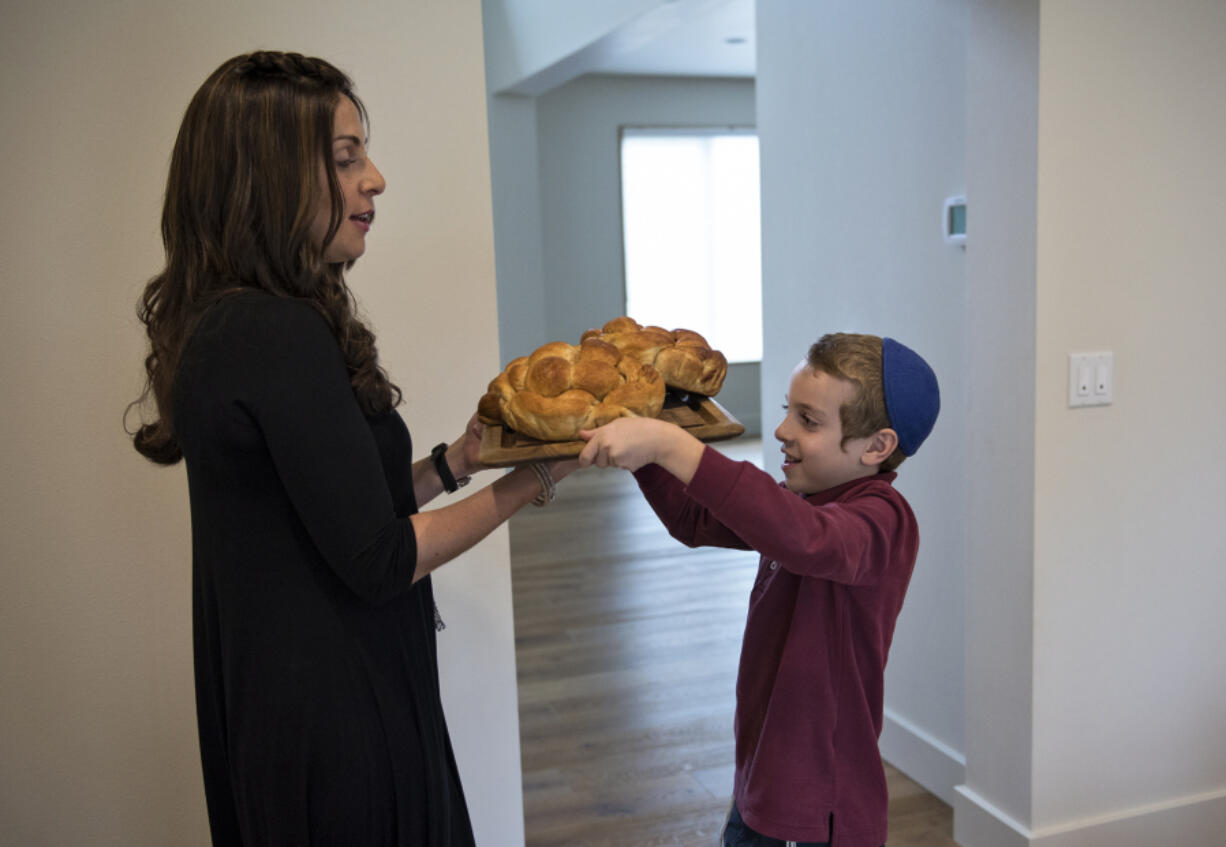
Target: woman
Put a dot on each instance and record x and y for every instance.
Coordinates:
(316, 670)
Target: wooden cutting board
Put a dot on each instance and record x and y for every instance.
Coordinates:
(702, 417)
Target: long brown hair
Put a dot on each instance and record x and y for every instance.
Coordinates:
(242, 190)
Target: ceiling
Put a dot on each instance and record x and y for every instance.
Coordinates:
(685, 38)
(708, 38)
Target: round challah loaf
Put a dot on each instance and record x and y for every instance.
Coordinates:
(682, 357)
(561, 389)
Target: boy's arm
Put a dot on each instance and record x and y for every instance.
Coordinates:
(688, 522)
(664, 458)
(853, 541)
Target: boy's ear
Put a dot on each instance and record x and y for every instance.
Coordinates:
(881, 444)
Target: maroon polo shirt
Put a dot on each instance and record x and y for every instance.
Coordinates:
(833, 572)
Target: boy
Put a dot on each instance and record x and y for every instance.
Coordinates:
(835, 564)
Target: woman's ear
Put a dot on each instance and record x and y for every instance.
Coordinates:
(881, 444)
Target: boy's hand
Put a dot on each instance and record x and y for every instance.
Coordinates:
(631, 443)
(627, 443)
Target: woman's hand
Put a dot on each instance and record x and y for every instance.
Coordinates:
(464, 454)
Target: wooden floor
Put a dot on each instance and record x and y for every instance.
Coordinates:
(626, 646)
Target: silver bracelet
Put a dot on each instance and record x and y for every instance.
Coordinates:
(548, 488)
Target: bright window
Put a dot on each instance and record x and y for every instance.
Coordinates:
(691, 231)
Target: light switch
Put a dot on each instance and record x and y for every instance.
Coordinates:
(1102, 376)
(1090, 377)
(1083, 377)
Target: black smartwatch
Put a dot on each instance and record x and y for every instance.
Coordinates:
(450, 484)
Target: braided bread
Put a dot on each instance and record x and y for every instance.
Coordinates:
(682, 357)
(561, 389)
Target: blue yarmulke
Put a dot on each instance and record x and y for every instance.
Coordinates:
(912, 399)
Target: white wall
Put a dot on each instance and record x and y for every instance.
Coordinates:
(860, 121)
(96, 709)
(1129, 572)
(1117, 112)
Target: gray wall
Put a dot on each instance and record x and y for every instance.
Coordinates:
(1002, 92)
(558, 237)
(860, 121)
(516, 182)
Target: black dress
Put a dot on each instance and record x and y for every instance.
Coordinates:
(317, 692)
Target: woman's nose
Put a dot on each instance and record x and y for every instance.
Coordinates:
(374, 182)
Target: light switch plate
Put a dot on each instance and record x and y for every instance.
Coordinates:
(1090, 378)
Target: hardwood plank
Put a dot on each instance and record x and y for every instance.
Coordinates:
(626, 648)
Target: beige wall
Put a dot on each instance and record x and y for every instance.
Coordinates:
(1096, 168)
(96, 705)
(1129, 670)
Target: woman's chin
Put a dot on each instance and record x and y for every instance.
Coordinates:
(343, 257)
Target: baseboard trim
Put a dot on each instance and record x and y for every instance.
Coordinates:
(977, 823)
(1193, 819)
(927, 760)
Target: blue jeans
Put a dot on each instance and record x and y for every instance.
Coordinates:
(738, 834)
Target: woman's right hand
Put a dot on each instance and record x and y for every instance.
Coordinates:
(464, 455)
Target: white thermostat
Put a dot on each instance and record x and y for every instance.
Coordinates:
(953, 221)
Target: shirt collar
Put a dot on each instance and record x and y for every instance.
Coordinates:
(830, 495)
